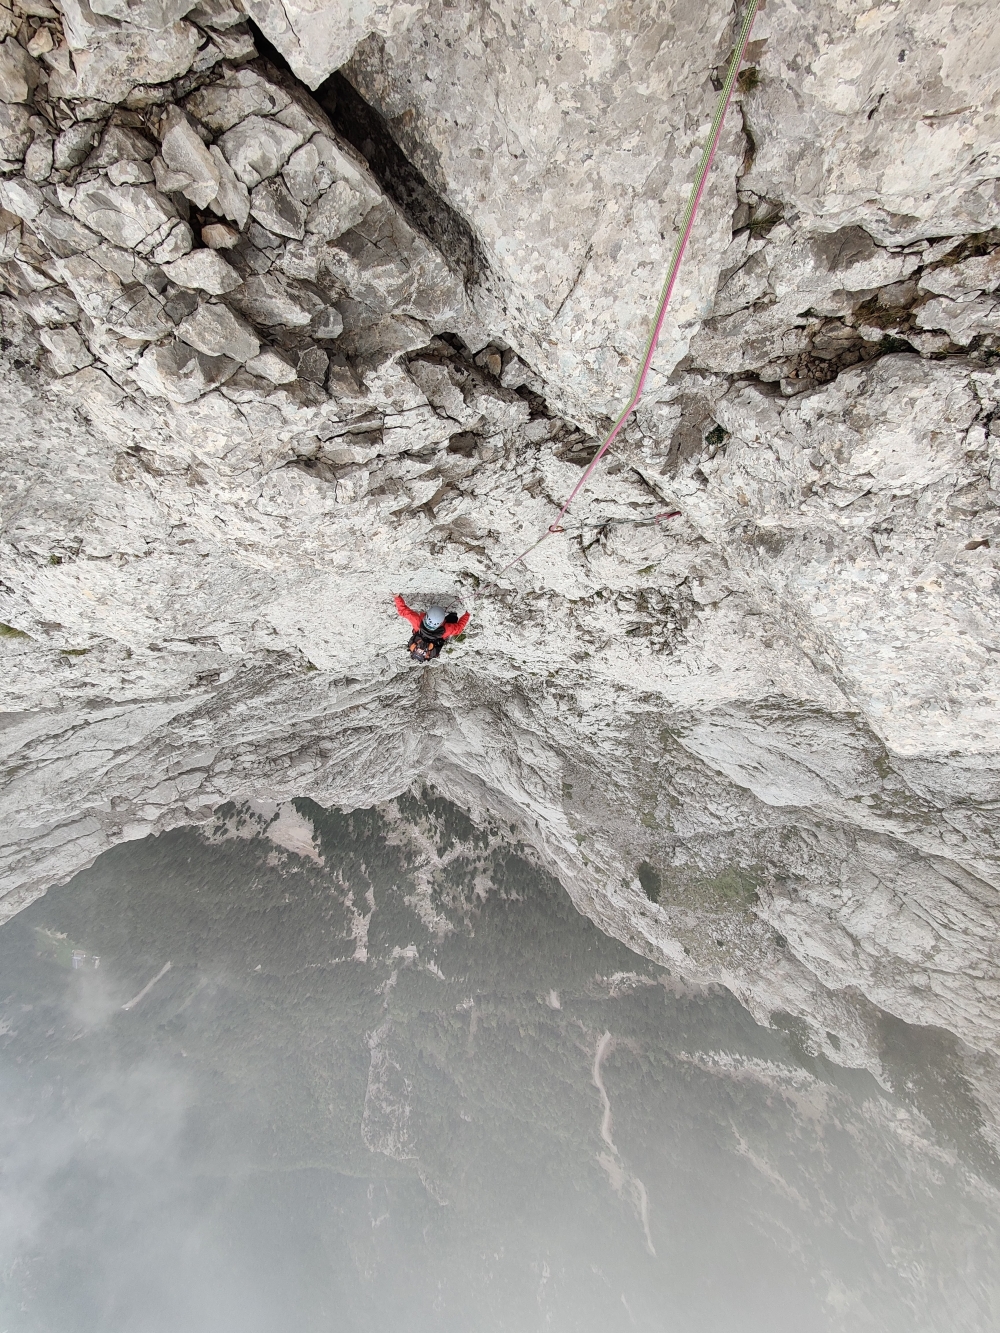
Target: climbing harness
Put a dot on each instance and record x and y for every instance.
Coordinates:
(687, 224)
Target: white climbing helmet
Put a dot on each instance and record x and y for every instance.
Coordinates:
(434, 617)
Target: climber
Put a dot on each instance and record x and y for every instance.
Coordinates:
(430, 629)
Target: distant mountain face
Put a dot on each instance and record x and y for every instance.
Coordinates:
(303, 306)
(309, 1068)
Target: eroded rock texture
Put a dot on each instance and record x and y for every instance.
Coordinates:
(273, 354)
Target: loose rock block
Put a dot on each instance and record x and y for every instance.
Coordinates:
(204, 270)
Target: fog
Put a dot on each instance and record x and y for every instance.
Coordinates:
(391, 1080)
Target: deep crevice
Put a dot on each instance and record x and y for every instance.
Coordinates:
(366, 129)
(421, 205)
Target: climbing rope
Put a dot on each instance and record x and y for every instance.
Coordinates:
(687, 224)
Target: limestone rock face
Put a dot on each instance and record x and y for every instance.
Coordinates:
(216, 331)
(270, 357)
(318, 38)
(19, 73)
(203, 270)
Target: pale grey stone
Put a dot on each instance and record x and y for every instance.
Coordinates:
(245, 388)
(321, 168)
(961, 320)
(274, 208)
(167, 180)
(20, 75)
(255, 261)
(217, 331)
(15, 135)
(179, 373)
(216, 14)
(10, 230)
(21, 197)
(815, 138)
(204, 270)
(177, 242)
(749, 280)
(217, 236)
(304, 173)
(350, 489)
(120, 143)
(67, 350)
(183, 151)
(123, 57)
(130, 173)
(38, 160)
(52, 306)
(514, 373)
(327, 323)
(266, 298)
(235, 46)
(387, 336)
(387, 265)
(154, 14)
(257, 149)
(63, 234)
(75, 144)
(233, 198)
(860, 509)
(271, 365)
(438, 387)
(267, 244)
(94, 287)
(41, 42)
(26, 277)
(315, 39)
(340, 208)
(898, 295)
(980, 273)
(137, 217)
(128, 266)
(10, 235)
(304, 116)
(929, 344)
(136, 313)
(180, 304)
(239, 95)
(82, 26)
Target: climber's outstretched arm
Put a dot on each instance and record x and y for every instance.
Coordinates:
(414, 617)
(451, 630)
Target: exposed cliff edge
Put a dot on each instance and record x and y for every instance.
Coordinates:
(271, 355)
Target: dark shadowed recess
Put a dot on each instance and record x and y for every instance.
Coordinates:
(367, 130)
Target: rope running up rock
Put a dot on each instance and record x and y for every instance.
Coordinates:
(687, 224)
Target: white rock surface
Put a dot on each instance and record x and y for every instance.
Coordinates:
(757, 740)
(108, 62)
(216, 331)
(203, 270)
(258, 147)
(318, 38)
(178, 372)
(183, 151)
(20, 73)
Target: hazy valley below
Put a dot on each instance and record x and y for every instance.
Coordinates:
(386, 1076)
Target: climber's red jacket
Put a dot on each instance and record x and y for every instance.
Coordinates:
(447, 630)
